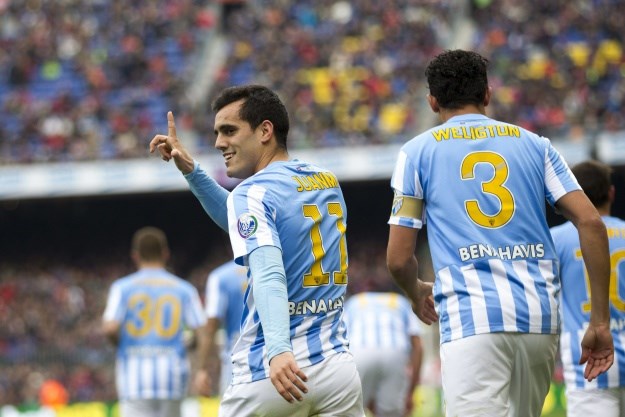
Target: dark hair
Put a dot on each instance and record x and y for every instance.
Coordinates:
(595, 179)
(150, 244)
(260, 104)
(457, 78)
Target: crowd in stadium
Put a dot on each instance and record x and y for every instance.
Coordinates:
(76, 88)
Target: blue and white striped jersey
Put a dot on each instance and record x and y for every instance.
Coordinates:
(225, 289)
(153, 307)
(300, 209)
(377, 320)
(484, 184)
(575, 305)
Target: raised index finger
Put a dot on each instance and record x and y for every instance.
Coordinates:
(171, 125)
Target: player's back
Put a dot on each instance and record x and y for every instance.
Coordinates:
(308, 223)
(575, 302)
(153, 307)
(377, 320)
(484, 184)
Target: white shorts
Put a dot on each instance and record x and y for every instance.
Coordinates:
(333, 391)
(497, 374)
(150, 408)
(384, 378)
(608, 402)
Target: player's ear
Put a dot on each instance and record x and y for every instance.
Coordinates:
(266, 130)
(433, 102)
(487, 95)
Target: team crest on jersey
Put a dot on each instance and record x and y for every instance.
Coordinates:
(247, 225)
(397, 203)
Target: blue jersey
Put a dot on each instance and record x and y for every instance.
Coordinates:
(575, 304)
(484, 185)
(225, 288)
(300, 209)
(377, 320)
(153, 307)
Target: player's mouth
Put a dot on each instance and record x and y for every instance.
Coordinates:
(228, 156)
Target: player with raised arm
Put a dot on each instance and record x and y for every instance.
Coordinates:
(605, 396)
(146, 315)
(287, 223)
(481, 186)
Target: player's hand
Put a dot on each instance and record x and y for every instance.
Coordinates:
(423, 306)
(202, 383)
(597, 350)
(170, 147)
(287, 378)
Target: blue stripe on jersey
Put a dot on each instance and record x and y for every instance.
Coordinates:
(466, 316)
(491, 298)
(255, 355)
(543, 295)
(314, 340)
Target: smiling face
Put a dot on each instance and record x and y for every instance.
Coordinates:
(240, 146)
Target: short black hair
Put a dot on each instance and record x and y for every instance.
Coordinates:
(260, 104)
(457, 78)
(595, 178)
(150, 243)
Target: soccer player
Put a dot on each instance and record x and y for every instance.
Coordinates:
(606, 395)
(481, 185)
(225, 288)
(384, 337)
(287, 223)
(146, 315)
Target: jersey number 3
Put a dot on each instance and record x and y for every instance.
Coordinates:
(494, 187)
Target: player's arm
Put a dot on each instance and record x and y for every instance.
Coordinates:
(271, 296)
(597, 344)
(404, 268)
(211, 195)
(208, 357)
(416, 359)
(111, 330)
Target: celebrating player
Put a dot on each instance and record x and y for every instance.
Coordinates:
(287, 222)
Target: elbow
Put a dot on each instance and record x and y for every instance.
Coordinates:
(396, 265)
(593, 224)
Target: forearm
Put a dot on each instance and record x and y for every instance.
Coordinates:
(416, 358)
(211, 195)
(406, 276)
(595, 251)
(271, 298)
(207, 348)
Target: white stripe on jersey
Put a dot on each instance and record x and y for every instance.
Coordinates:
(147, 376)
(476, 295)
(531, 295)
(324, 335)
(546, 270)
(132, 376)
(453, 306)
(238, 245)
(504, 291)
(177, 367)
(383, 326)
(400, 167)
(255, 197)
(552, 181)
(112, 312)
(212, 301)
(162, 373)
(566, 355)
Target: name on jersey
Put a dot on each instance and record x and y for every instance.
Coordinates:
(315, 306)
(476, 132)
(616, 232)
(479, 250)
(318, 181)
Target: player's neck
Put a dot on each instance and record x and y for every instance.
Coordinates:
(604, 210)
(150, 265)
(446, 114)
